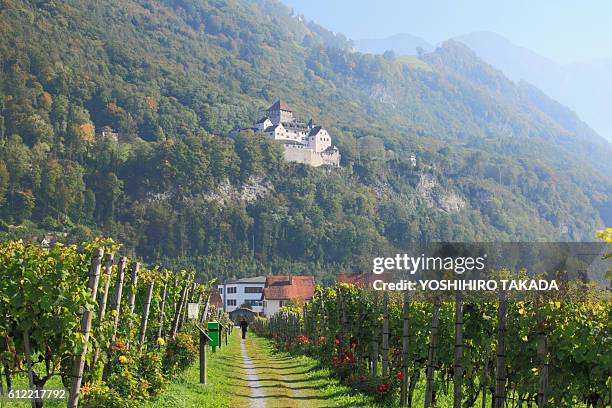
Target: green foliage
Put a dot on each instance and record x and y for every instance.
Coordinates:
(172, 78)
(578, 371)
(43, 294)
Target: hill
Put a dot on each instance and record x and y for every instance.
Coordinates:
(583, 86)
(496, 161)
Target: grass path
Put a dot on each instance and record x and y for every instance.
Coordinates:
(297, 381)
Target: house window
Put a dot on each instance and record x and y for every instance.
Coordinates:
(282, 303)
(220, 291)
(231, 290)
(252, 302)
(231, 302)
(252, 289)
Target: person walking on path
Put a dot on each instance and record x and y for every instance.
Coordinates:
(243, 326)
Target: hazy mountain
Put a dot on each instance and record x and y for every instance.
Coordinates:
(585, 87)
(402, 44)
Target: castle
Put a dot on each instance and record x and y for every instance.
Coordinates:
(302, 142)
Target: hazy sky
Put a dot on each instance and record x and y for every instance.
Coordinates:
(563, 30)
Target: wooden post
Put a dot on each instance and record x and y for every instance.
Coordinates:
(7, 377)
(28, 353)
(374, 358)
(385, 336)
(108, 268)
(145, 314)
(322, 328)
(306, 329)
(79, 362)
(374, 345)
(543, 360)
(162, 306)
(205, 312)
(405, 348)
(458, 371)
(485, 374)
(116, 304)
(203, 379)
(116, 310)
(134, 285)
(433, 351)
(177, 315)
(500, 366)
(190, 283)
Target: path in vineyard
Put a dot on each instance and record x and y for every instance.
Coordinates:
(256, 397)
(281, 381)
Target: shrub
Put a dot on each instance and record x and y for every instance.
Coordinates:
(101, 396)
(180, 353)
(150, 370)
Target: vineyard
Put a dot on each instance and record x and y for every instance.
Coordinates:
(113, 331)
(485, 350)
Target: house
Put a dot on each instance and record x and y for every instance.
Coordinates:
(280, 290)
(242, 292)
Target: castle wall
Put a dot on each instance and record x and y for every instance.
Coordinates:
(310, 157)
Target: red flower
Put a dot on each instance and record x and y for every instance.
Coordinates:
(382, 388)
(336, 341)
(353, 346)
(400, 376)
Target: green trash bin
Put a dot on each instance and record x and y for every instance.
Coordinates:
(214, 332)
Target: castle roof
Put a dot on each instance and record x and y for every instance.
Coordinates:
(315, 130)
(262, 120)
(272, 127)
(280, 105)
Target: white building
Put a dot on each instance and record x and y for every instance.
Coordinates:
(246, 291)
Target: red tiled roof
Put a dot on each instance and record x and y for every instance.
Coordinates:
(280, 288)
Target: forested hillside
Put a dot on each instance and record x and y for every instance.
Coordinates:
(495, 161)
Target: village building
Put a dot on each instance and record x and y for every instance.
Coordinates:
(280, 290)
(244, 292)
(303, 142)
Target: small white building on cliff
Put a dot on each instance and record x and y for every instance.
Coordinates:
(303, 142)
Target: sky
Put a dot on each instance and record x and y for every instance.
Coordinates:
(562, 30)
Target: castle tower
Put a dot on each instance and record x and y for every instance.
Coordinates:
(280, 112)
